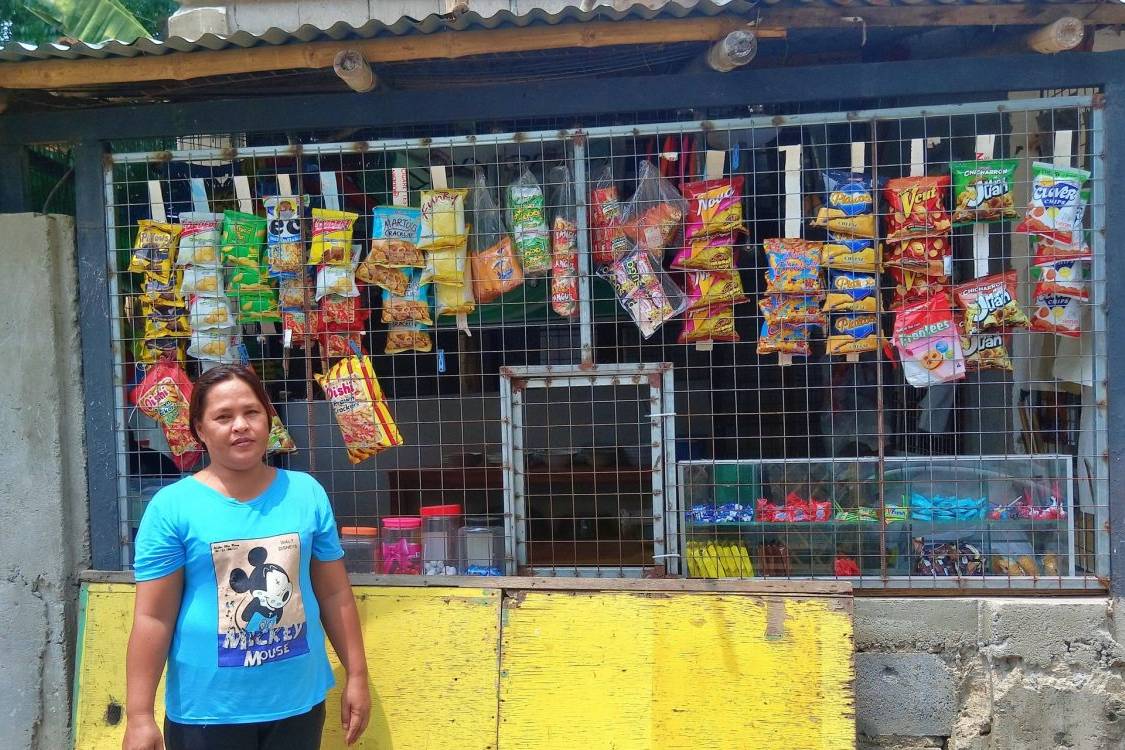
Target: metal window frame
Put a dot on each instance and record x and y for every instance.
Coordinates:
(662, 425)
(89, 130)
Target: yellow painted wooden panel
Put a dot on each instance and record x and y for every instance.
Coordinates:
(432, 654)
(668, 671)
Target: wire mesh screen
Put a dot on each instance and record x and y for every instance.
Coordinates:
(865, 345)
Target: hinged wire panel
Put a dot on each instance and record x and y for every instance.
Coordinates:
(980, 461)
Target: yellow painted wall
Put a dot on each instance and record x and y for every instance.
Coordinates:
(469, 669)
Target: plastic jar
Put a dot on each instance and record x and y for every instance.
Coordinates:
(361, 548)
(401, 545)
(480, 548)
(439, 539)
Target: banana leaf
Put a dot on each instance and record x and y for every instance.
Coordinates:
(89, 21)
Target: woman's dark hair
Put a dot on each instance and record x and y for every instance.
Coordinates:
(212, 378)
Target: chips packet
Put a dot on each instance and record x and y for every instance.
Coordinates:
(848, 193)
(714, 253)
(285, 249)
(982, 190)
(337, 344)
(527, 217)
(413, 305)
(838, 224)
(454, 301)
(609, 241)
(257, 307)
(242, 238)
(912, 286)
(932, 256)
(985, 352)
(396, 232)
(850, 291)
(496, 271)
(394, 280)
(929, 343)
(916, 207)
(167, 292)
(152, 351)
(202, 281)
(443, 218)
(792, 309)
(847, 254)
(280, 441)
(714, 208)
(711, 324)
(155, 248)
(853, 333)
(164, 396)
(199, 241)
(784, 338)
(1044, 249)
(564, 242)
(360, 408)
(338, 280)
(164, 323)
(653, 216)
(339, 313)
(447, 264)
(331, 237)
(222, 345)
(302, 327)
(644, 290)
(1056, 207)
(1059, 314)
(794, 266)
(211, 312)
(990, 303)
(291, 292)
(1069, 276)
(707, 288)
(407, 337)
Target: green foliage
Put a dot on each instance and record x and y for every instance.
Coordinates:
(91, 21)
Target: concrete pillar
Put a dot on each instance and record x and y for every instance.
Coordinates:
(43, 541)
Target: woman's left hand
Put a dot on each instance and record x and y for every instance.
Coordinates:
(355, 707)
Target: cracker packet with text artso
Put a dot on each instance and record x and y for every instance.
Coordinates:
(929, 343)
(360, 408)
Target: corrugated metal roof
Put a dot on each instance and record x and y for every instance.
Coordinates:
(432, 24)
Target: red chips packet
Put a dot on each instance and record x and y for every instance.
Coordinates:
(916, 207)
(990, 303)
(163, 396)
(714, 207)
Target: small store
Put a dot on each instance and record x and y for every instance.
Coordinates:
(798, 295)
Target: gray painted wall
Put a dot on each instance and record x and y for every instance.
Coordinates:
(43, 493)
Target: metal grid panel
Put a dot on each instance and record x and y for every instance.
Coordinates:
(852, 434)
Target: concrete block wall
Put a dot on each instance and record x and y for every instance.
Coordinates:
(990, 674)
(43, 493)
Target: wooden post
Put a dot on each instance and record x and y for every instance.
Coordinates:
(1060, 36)
(353, 70)
(732, 51)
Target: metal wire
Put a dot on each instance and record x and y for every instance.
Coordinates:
(590, 449)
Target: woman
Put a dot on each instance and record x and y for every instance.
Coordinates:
(237, 569)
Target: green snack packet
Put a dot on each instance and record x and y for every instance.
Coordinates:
(982, 190)
(257, 307)
(528, 220)
(242, 240)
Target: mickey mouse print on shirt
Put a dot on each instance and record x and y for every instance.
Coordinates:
(261, 611)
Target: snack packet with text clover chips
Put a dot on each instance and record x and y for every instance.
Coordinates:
(929, 343)
(1059, 314)
(163, 396)
(360, 408)
(982, 190)
(985, 352)
(1056, 207)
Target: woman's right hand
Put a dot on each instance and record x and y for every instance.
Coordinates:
(142, 734)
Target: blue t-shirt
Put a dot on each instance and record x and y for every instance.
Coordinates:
(248, 644)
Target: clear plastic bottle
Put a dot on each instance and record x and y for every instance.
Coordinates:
(361, 548)
(480, 548)
(439, 539)
(401, 545)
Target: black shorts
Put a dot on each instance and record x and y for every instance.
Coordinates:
(300, 732)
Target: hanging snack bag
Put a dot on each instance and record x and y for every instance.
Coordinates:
(291, 292)
(396, 232)
(990, 303)
(932, 256)
(210, 312)
(564, 243)
(285, 252)
(443, 218)
(360, 408)
(853, 333)
(850, 204)
(199, 241)
(1044, 249)
(849, 291)
(168, 293)
(454, 301)
(645, 291)
(166, 322)
(706, 254)
(157, 350)
(222, 345)
(302, 327)
(336, 344)
(929, 343)
(794, 266)
(243, 235)
(985, 352)
(1066, 276)
(163, 396)
(916, 207)
(496, 269)
(202, 281)
(338, 280)
(413, 306)
(331, 237)
(714, 207)
(394, 280)
(707, 288)
(527, 219)
(408, 337)
(258, 307)
(851, 255)
(982, 190)
(653, 216)
(784, 338)
(1056, 207)
(447, 264)
(338, 313)
(1059, 314)
(911, 287)
(280, 441)
(609, 240)
(713, 324)
(792, 309)
(155, 249)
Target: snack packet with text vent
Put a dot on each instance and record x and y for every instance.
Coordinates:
(916, 207)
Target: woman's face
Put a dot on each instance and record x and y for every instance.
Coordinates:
(235, 426)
